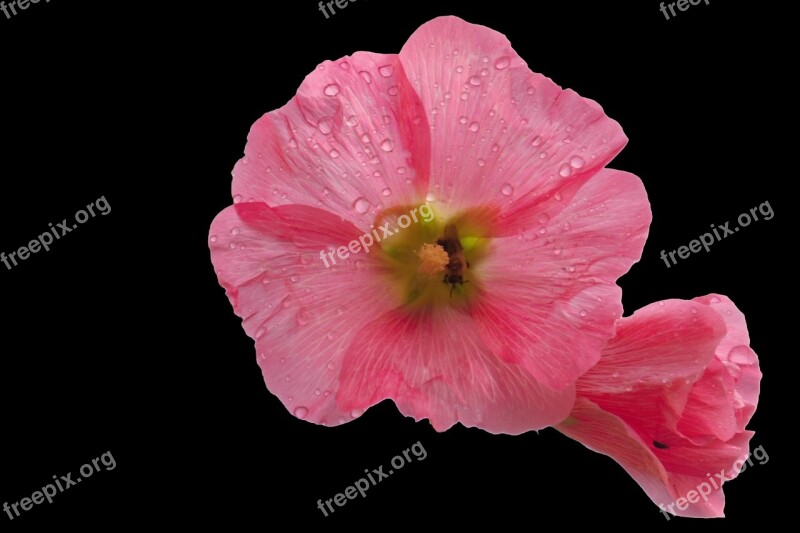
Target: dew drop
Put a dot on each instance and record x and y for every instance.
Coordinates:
(237, 198)
(507, 189)
(235, 231)
(361, 205)
(386, 192)
(565, 170)
(386, 71)
(214, 238)
(355, 413)
(351, 121)
(481, 162)
(301, 412)
(331, 90)
(365, 76)
(474, 126)
(502, 63)
(325, 126)
(576, 162)
(387, 145)
(463, 119)
(393, 90)
(474, 80)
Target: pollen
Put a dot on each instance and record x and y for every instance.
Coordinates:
(432, 259)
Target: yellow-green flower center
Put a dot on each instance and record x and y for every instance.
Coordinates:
(434, 261)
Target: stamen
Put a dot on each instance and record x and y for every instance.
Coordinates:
(432, 259)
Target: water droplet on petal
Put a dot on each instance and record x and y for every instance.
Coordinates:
(235, 231)
(355, 413)
(502, 63)
(576, 162)
(351, 121)
(387, 145)
(300, 412)
(303, 317)
(361, 205)
(386, 192)
(481, 162)
(213, 238)
(474, 80)
(237, 198)
(332, 90)
(430, 197)
(325, 126)
(365, 76)
(393, 90)
(474, 126)
(565, 170)
(507, 189)
(386, 70)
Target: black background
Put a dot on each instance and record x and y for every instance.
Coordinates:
(120, 339)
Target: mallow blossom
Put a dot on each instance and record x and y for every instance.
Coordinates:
(490, 328)
(670, 400)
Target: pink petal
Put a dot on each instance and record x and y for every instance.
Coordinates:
(434, 365)
(647, 372)
(609, 435)
(352, 138)
(564, 269)
(738, 358)
(499, 130)
(663, 342)
(301, 314)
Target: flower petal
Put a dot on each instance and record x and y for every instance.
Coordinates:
(738, 358)
(564, 269)
(301, 314)
(434, 365)
(352, 137)
(499, 130)
(608, 434)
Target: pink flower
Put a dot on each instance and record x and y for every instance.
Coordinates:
(670, 399)
(509, 161)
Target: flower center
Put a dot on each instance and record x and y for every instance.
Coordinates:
(434, 261)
